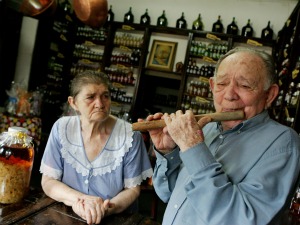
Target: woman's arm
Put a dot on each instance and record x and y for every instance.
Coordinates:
(90, 208)
(123, 200)
(60, 191)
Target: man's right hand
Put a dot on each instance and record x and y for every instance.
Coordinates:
(160, 137)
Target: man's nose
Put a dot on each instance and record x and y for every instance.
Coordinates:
(231, 92)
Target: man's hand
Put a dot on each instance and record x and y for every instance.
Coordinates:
(160, 137)
(184, 128)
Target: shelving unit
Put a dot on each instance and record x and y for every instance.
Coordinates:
(287, 57)
(122, 51)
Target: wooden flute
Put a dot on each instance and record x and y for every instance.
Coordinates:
(218, 116)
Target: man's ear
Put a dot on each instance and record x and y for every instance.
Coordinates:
(72, 102)
(211, 83)
(272, 94)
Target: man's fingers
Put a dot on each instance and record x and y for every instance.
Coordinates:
(203, 121)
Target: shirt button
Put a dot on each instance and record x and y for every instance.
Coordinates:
(172, 157)
(175, 206)
(86, 181)
(221, 136)
(164, 178)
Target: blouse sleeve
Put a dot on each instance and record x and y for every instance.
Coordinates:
(137, 166)
(51, 164)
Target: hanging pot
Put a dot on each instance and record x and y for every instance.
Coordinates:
(91, 12)
(32, 8)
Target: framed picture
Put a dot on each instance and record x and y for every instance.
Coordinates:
(162, 55)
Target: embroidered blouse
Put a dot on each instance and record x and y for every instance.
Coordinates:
(123, 162)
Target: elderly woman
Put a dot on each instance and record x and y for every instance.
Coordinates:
(93, 161)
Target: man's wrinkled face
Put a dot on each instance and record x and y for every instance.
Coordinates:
(239, 85)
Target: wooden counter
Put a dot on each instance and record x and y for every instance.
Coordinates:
(37, 208)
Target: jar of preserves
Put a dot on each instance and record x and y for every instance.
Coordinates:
(16, 162)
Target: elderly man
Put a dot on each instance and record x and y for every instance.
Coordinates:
(231, 172)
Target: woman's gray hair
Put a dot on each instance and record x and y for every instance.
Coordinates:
(88, 77)
(266, 58)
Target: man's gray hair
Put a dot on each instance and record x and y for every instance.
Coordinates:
(266, 58)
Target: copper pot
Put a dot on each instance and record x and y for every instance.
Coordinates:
(32, 8)
(91, 12)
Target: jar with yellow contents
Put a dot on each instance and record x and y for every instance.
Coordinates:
(16, 162)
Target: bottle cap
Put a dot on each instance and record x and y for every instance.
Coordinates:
(18, 129)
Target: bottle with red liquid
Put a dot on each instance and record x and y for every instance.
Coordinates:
(295, 204)
(16, 162)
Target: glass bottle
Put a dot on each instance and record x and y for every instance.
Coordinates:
(110, 15)
(267, 33)
(181, 22)
(128, 17)
(145, 18)
(247, 31)
(197, 24)
(295, 203)
(232, 28)
(218, 26)
(16, 161)
(162, 20)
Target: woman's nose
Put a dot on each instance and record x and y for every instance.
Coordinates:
(98, 102)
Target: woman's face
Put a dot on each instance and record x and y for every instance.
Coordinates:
(240, 85)
(93, 102)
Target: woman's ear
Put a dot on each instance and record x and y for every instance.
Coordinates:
(272, 94)
(72, 103)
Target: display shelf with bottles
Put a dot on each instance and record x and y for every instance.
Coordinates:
(122, 50)
(123, 60)
(287, 58)
(88, 50)
(51, 62)
(204, 51)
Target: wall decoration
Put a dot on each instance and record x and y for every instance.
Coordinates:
(162, 55)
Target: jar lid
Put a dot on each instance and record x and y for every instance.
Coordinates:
(18, 129)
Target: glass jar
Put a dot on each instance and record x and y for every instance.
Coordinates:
(16, 162)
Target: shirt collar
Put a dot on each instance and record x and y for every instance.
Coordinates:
(247, 124)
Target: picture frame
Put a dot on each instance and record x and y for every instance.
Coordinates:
(162, 55)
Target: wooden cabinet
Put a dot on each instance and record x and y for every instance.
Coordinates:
(187, 87)
(287, 57)
(125, 52)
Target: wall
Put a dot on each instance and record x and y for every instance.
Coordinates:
(258, 11)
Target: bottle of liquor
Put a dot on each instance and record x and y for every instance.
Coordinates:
(218, 26)
(295, 204)
(181, 22)
(162, 20)
(232, 28)
(128, 17)
(197, 24)
(145, 18)
(267, 33)
(110, 15)
(247, 31)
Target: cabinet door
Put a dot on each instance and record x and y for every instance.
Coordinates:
(204, 51)
(88, 49)
(162, 79)
(123, 67)
(287, 58)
